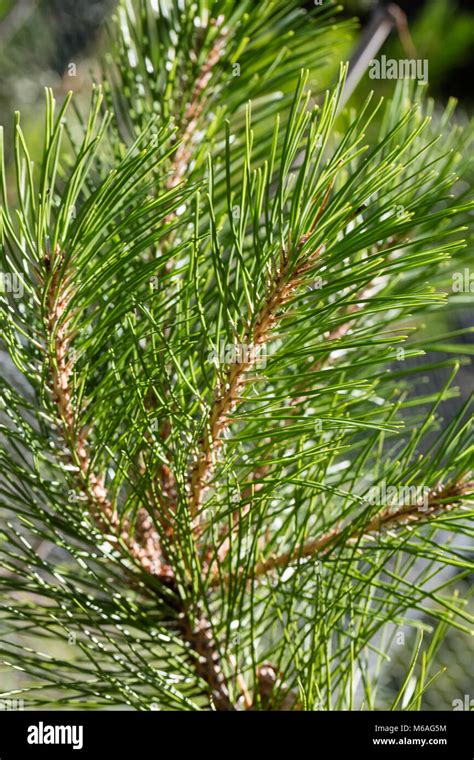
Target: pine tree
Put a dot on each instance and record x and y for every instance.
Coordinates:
(224, 483)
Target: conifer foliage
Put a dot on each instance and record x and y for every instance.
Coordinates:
(224, 484)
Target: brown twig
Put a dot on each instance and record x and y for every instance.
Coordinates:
(145, 547)
(180, 164)
(440, 500)
(225, 400)
(273, 693)
(207, 661)
(195, 106)
(334, 335)
(146, 550)
(285, 283)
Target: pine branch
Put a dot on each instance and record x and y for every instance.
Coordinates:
(195, 107)
(145, 547)
(440, 500)
(146, 550)
(184, 540)
(207, 660)
(286, 281)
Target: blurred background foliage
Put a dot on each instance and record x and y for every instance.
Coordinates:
(57, 43)
(443, 32)
(39, 39)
